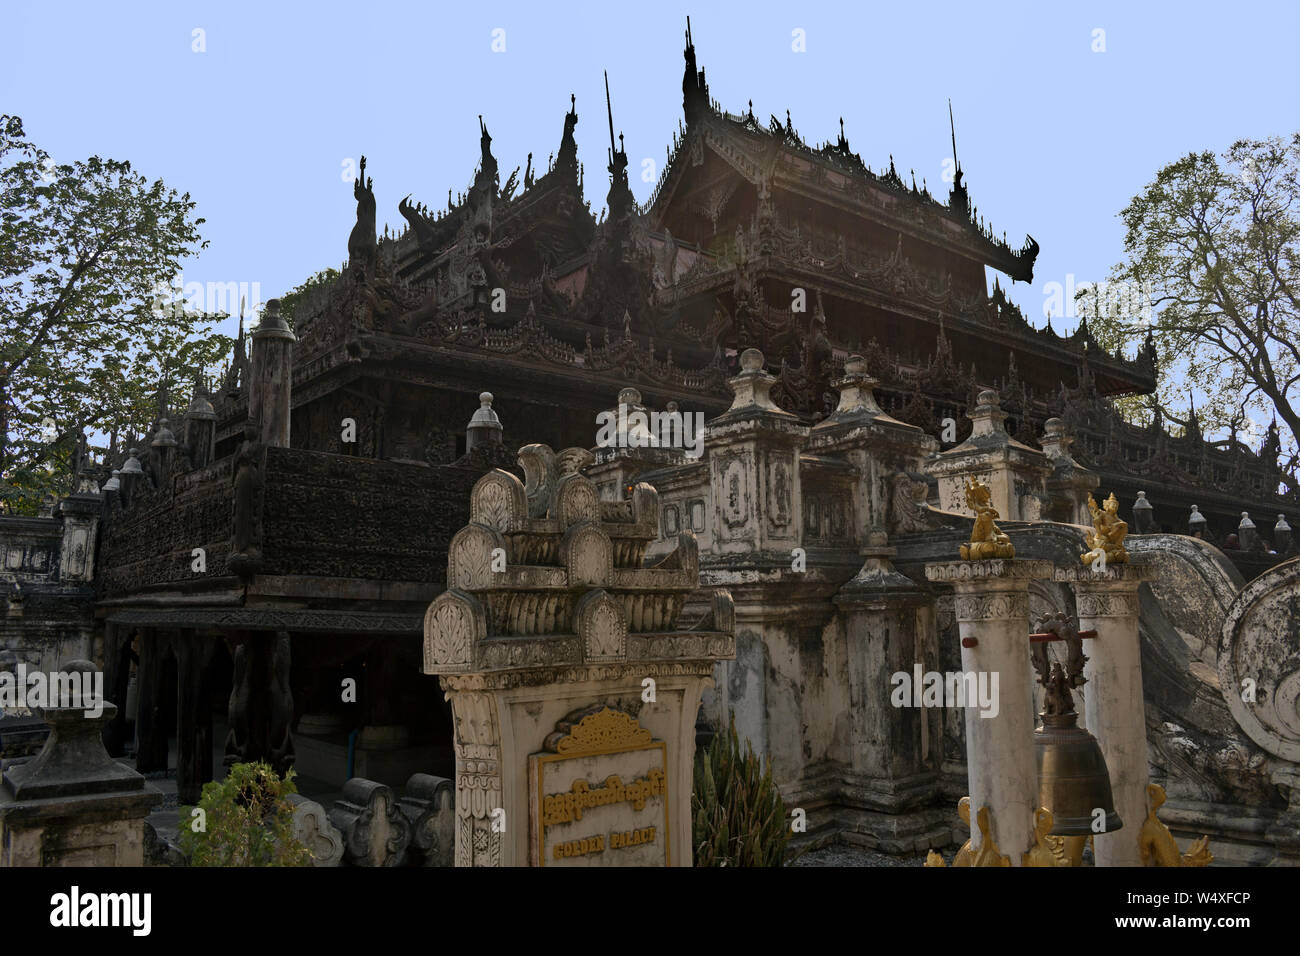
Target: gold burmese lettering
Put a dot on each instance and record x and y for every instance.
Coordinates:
(630, 838)
(566, 807)
(591, 844)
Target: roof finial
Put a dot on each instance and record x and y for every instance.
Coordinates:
(609, 109)
(952, 126)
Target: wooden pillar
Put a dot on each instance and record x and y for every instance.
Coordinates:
(151, 731)
(261, 702)
(193, 716)
(117, 675)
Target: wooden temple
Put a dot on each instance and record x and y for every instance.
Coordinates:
(323, 477)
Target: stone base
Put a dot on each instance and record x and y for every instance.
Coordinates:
(903, 816)
(1239, 836)
(88, 830)
(326, 759)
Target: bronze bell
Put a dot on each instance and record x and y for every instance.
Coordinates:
(1072, 777)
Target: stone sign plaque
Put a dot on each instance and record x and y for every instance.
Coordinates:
(599, 794)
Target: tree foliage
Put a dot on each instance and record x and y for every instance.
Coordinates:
(1213, 242)
(87, 334)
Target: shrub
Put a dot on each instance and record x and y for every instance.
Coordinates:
(739, 818)
(246, 820)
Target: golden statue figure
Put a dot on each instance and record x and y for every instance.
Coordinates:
(986, 541)
(965, 855)
(1042, 853)
(1068, 850)
(987, 855)
(1157, 844)
(1106, 540)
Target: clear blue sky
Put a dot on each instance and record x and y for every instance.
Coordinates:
(1053, 137)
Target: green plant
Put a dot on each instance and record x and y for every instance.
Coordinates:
(245, 820)
(739, 818)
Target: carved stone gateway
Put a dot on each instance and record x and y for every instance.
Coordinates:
(573, 689)
(599, 794)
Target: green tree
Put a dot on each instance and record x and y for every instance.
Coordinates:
(1212, 244)
(85, 331)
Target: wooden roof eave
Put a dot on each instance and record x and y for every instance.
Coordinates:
(971, 247)
(1027, 340)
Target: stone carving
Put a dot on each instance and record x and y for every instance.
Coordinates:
(908, 510)
(679, 646)
(312, 827)
(499, 502)
(735, 491)
(1092, 604)
(1106, 540)
(570, 461)
(576, 499)
(470, 557)
(564, 612)
(452, 623)
(539, 676)
(778, 495)
(375, 832)
(476, 721)
(537, 652)
(588, 556)
(602, 625)
(955, 571)
(991, 607)
(428, 806)
(1259, 660)
(541, 475)
(478, 779)
(986, 541)
(520, 613)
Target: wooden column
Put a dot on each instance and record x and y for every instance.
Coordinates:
(193, 716)
(151, 732)
(117, 673)
(261, 702)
